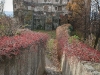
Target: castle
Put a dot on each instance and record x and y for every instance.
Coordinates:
(44, 6)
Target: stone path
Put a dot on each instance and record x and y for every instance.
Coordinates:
(50, 68)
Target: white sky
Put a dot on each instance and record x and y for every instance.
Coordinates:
(8, 5)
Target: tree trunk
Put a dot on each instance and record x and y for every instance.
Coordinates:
(87, 17)
(98, 32)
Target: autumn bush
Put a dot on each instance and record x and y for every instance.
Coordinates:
(13, 39)
(12, 45)
(79, 50)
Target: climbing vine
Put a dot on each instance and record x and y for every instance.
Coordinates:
(80, 50)
(13, 45)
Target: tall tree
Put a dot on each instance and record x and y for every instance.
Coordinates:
(80, 12)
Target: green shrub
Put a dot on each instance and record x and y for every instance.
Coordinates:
(50, 44)
(75, 37)
(70, 30)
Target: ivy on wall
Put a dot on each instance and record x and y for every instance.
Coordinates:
(79, 49)
(13, 45)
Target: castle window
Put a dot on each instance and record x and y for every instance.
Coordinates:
(45, 0)
(55, 8)
(14, 5)
(59, 8)
(56, 0)
(46, 8)
(49, 0)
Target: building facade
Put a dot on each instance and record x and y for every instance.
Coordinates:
(51, 5)
(43, 6)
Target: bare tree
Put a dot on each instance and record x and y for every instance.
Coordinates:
(98, 21)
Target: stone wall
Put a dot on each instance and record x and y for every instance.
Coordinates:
(60, 33)
(91, 41)
(30, 61)
(72, 65)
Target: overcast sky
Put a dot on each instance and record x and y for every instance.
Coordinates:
(8, 5)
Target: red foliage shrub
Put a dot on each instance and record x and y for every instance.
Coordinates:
(80, 50)
(13, 45)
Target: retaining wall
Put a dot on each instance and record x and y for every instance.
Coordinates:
(73, 66)
(29, 61)
(76, 63)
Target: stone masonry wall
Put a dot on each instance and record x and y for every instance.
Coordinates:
(72, 65)
(29, 62)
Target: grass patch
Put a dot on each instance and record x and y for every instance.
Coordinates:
(79, 34)
(50, 44)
